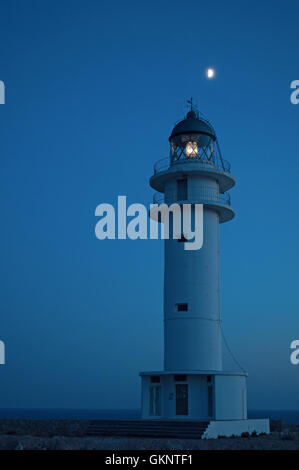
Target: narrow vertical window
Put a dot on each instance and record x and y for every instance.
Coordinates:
(155, 400)
(210, 401)
(182, 191)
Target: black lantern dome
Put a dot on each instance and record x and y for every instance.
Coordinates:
(192, 125)
(192, 138)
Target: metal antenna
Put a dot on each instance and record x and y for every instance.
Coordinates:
(191, 103)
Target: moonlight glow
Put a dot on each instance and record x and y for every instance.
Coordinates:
(210, 73)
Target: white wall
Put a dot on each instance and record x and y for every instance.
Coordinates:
(197, 398)
(192, 339)
(230, 397)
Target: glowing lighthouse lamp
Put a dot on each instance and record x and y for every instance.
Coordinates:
(193, 384)
(191, 149)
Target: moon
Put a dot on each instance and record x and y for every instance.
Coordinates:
(210, 73)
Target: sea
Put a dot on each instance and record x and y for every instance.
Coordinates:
(288, 416)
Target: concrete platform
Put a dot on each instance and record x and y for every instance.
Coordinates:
(236, 427)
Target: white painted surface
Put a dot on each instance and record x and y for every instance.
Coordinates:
(198, 168)
(236, 428)
(192, 339)
(230, 397)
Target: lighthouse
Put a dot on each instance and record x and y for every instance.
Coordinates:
(193, 384)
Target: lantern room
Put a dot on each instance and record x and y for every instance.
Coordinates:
(192, 138)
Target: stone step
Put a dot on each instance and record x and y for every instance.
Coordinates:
(152, 435)
(170, 431)
(181, 424)
(165, 428)
(148, 428)
(134, 432)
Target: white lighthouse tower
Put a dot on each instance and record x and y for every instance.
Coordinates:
(193, 384)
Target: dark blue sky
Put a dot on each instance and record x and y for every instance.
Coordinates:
(93, 89)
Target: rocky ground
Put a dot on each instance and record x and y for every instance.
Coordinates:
(70, 435)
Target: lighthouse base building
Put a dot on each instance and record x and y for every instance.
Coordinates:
(217, 399)
(193, 385)
(194, 395)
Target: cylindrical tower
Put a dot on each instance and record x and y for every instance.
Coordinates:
(195, 173)
(193, 385)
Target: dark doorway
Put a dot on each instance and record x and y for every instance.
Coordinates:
(181, 399)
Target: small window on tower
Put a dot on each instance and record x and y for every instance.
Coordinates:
(182, 307)
(155, 379)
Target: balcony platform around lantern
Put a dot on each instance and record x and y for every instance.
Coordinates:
(217, 202)
(215, 199)
(210, 396)
(163, 171)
